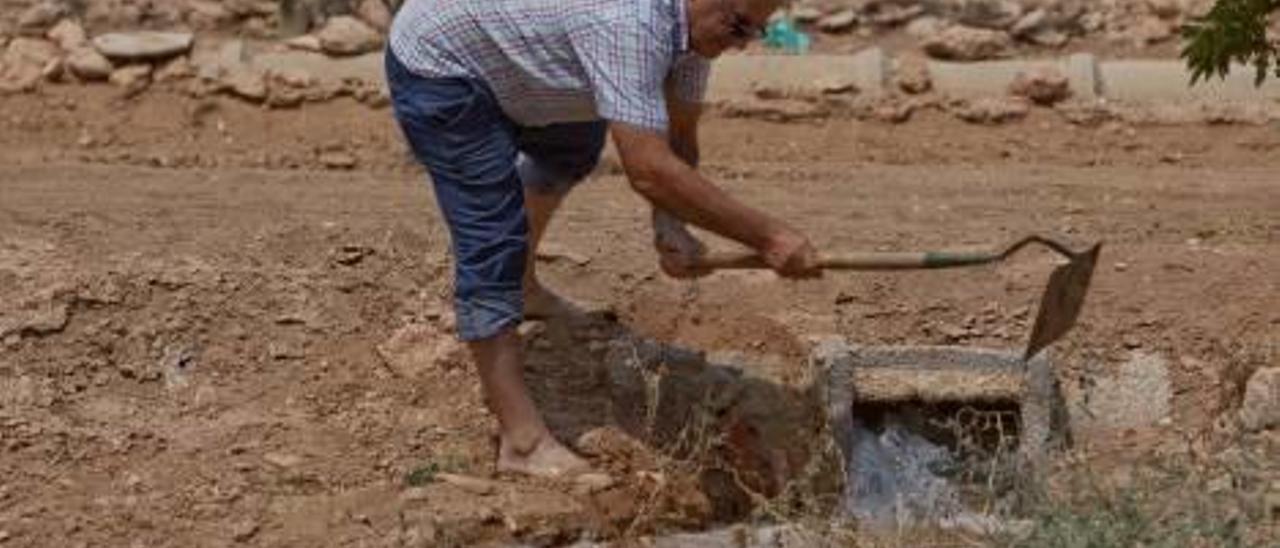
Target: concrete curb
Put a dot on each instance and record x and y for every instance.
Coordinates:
(870, 71)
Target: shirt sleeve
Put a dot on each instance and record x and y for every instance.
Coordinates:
(626, 65)
(689, 77)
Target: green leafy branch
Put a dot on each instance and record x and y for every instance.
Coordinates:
(1233, 31)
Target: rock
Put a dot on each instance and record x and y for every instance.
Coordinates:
(345, 35)
(284, 97)
(131, 76)
(806, 15)
(889, 15)
(912, 75)
(1044, 86)
(1165, 9)
(473, 485)
(337, 160)
(282, 460)
(960, 43)
(294, 77)
(245, 530)
(30, 51)
(836, 85)
(208, 15)
(592, 482)
(179, 68)
(1138, 395)
(53, 70)
(143, 45)
(1260, 409)
(893, 112)
(417, 349)
(924, 27)
(1150, 30)
(68, 35)
(773, 110)
(87, 64)
(1048, 37)
(246, 83)
(1032, 21)
(19, 78)
(991, 110)
(39, 17)
(616, 448)
(306, 42)
(40, 318)
(840, 21)
(375, 13)
(989, 14)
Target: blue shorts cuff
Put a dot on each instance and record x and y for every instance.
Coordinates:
(484, 315)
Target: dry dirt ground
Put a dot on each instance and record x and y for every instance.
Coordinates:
(198, 312)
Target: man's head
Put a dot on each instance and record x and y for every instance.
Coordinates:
(719, 25)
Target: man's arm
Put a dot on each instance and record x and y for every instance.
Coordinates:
(677, 248)
(671, 184)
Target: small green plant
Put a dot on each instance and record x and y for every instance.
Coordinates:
(422, 475)
(1232, 31)
(426, 473)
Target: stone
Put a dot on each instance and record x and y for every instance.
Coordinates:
(131, 76)
(1033, 20)
(960, 43)
(245, 530)
(893, 112)
(890, 15)
(840, 21)
(1151, 30)
(30, 51)
(989, 14)
(912, 75)
(208, 15)
(991, 110)
(39, 17)
(143, 45)
(924, 27)
(282, 460)
(345, 35)
(68, 35)
(375, 13)
(1165, 9)
(1260, 409)
(592, 482)
(806, 15)
(180, 68)
(294, 77)
(1048, 37)
(306, 42)
(246, 83)
(19, 79)
(473, 485)
(1043, 86)
(416, 350)
(1138, 395)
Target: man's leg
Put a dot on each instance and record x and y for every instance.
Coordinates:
(553, 159)
(459, 133)
(526, 445)
(540, 207)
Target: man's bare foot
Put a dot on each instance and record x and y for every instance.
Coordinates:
(548, 459)
(542, 303)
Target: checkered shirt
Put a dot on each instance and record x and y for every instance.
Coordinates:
(550, 61)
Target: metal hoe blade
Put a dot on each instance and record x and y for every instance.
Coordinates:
(1062, 300)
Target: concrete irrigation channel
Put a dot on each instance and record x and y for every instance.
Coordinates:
(890, 436)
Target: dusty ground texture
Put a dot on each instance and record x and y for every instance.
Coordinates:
(209, 338)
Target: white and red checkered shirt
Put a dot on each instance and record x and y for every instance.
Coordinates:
(550, 61)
